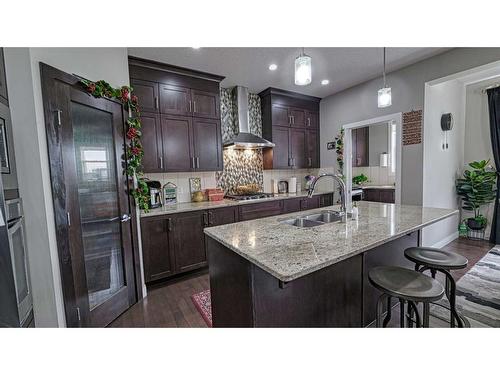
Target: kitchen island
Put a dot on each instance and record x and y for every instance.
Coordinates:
(268, 273)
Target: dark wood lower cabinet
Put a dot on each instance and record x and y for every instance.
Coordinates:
(379, 195)
(174, 244)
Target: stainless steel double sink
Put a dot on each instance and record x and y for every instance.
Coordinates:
(314, 219)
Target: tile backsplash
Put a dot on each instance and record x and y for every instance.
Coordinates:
(376, 175)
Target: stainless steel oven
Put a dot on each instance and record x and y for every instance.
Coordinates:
(19, 259)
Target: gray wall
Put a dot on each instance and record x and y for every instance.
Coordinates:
(360, 103)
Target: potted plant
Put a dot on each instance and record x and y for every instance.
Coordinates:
(477, 188)
(359, 179)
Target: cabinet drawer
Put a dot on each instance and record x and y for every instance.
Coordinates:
(259, 210)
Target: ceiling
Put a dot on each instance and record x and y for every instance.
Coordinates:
(343, 67)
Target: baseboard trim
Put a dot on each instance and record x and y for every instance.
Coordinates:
(445, 241)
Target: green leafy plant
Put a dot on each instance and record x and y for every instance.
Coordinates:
(477, 188)
(339, 149)
(359, 179)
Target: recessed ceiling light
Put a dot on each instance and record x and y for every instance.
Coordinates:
(273, 67)
(325, 82)
(195, 47)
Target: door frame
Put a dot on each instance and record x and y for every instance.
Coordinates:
(49, 75)
(382, 120)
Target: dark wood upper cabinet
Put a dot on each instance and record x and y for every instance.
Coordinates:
(175, 100)
(312, 119)
(177, 146)
(298, 117)
(298, 148)
(189, 240)
(360, 147)
(205, 104)
(285, 118)
(312, 138)
(3, 80)
(206, 139)
(147, 94)
(152, 161)
(280, 116)
(158, 255)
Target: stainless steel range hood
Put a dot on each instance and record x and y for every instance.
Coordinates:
(244, 139)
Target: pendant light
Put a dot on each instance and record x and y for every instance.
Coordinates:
(384, 94)
(303, 69)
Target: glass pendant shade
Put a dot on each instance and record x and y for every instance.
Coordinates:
(384, 97)
(303, 70)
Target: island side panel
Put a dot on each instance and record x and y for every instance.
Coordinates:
(230, 286)
(330, 297)
(388, 254)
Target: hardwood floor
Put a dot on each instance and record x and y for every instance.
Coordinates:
(169, 304)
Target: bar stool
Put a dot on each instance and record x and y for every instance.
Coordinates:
(437, 260)
(408, 286)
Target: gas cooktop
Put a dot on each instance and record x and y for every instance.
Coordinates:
(245, 197)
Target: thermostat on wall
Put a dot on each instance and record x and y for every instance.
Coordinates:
(446, 126)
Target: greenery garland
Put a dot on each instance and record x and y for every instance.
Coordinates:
(134, 151)
(339, 149)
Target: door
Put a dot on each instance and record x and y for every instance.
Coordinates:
(156, 247)
(207, 142)
(147, 95)
(189, 240)
(281, 150)
(312, 149)
(298, 117)
(3, 80)
(205, 104)
(354, 153)
(298, 148)
(175, 100)
(152, 160)
(85, 138)
(280, 116)
(177, 146)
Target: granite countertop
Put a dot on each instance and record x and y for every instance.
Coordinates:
(206, 205)
(289, 252)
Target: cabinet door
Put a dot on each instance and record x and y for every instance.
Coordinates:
(205, 104)
(298, 117)
(147, 94)
(189, 240)
(298, 148)
(310, 203)
(354, 136)
(175, 100)
(291, 205)
(221, 216)
(312, 148)
(176, 140)
(3, 80)
(281, 150)
(260, 210)
(152, 161)
(372, 195)
(326, 200)
(362, 138)
(387, 196)
(207, 142)
(280, 116)
(312, 119)
(156, 247)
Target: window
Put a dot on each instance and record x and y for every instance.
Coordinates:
(95, 163)
(392, 148)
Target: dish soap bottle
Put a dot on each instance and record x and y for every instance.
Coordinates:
(355, 211)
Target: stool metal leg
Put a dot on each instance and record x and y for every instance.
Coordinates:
(389, 312)
(402, 313)
(412, 308)
(451, 287)
(426, 314)
(380, 310)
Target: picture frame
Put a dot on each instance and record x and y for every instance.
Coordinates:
(4, 150)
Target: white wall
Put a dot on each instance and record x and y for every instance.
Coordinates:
(360, 103)
(25, 99)
(442, 167)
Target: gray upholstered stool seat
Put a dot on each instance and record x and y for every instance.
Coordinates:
(436, 258)
(408, 286)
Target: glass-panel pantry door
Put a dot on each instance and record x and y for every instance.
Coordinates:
(90, 192)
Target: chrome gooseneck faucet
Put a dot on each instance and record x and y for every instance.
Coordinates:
(343, 189)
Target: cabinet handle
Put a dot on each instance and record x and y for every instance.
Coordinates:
(161, 162)
(308, 121)
(205, 219)
(190, 110)
(197, 162)
(156, 102)
(210, 218)
(169, 224)
(289, 162)
(192, 163)
(310, 161)
(289, 120)
(194, 106)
